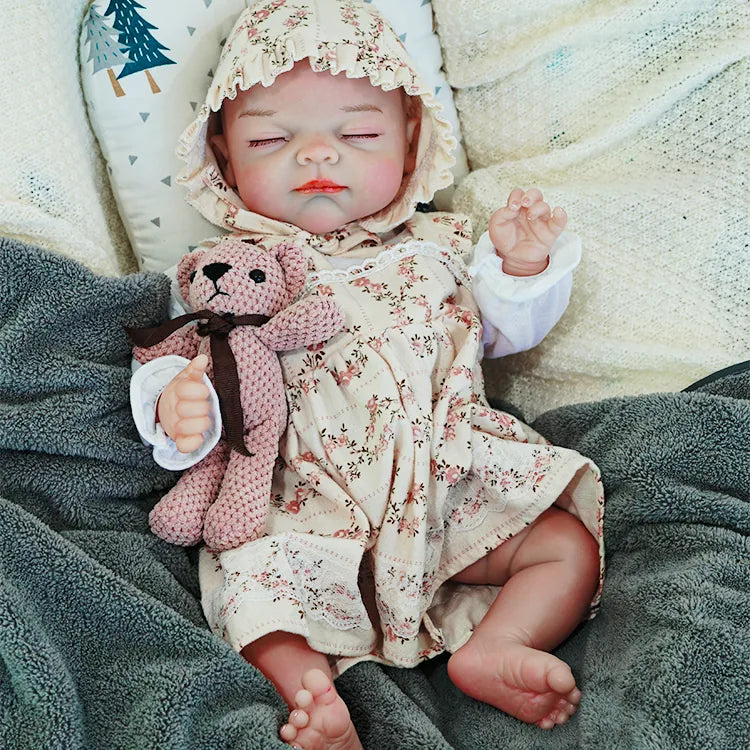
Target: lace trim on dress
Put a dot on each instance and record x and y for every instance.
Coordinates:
(305, 574)
(392, 254)
(493, 483)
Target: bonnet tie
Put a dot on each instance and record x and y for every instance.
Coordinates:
(226, 379)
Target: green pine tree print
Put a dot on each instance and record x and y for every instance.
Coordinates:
(144, 50)
(104, 50)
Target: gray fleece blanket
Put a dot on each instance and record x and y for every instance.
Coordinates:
(102, 640)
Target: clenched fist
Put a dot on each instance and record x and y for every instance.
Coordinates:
(183, 407)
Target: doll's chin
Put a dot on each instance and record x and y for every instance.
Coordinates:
(319, 227)
(320, 220)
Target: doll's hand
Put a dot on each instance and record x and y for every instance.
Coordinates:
(524, 231)
(183, 407)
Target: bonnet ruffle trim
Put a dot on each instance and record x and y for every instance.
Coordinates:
(250, 57)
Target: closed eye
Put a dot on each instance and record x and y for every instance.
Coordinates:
(357, 136)
(262, 142)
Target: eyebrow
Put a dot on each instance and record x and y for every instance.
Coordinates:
(251, 112)
(257, 113)
(362, 108)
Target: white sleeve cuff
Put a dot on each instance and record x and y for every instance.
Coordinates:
(519, 311)
(487, 272)
(146, 385)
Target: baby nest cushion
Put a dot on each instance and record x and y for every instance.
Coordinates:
(145, 69)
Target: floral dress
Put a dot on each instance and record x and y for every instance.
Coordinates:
(394, 473)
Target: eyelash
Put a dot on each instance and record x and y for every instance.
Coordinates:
(268, 141)
(263, 142)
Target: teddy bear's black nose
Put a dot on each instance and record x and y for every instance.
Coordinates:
(215, 271)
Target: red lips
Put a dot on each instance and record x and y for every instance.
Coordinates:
(320, 186)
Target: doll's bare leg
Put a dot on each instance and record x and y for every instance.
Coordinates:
(319, 718)
(549, 574)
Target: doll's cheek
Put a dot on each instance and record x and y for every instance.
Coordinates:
(384, 179)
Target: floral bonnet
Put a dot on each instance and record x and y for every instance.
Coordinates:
(341, 36)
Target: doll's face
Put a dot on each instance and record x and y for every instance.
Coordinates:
(315, 150)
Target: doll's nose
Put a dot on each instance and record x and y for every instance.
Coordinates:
(318, 150)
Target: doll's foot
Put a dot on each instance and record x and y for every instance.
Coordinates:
(320, 719)
(534, 686)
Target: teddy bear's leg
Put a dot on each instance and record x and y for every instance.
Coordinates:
(178, 517)
(239, 513)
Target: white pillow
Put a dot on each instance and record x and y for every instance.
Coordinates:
(138, 112)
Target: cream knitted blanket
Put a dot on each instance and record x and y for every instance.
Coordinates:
(635, 116)
(54, 190)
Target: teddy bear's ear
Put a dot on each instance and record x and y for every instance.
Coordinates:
(294, 262)
(185, 268)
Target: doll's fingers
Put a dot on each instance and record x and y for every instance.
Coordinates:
(538, 210)
(515, 198)
(503, 215)
(196, 367)
(547, 227)
(530, 197)
(189, 444)
(191, 390)
(193, 426)
(193, 408)
(558, 219)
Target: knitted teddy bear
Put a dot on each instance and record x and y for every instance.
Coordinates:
(243, 295)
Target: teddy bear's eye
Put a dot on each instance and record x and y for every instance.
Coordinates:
(192, 277)
(257, 275)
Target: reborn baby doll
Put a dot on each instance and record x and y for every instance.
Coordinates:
(398, 488)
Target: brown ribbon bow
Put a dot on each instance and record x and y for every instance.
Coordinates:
(226, 379)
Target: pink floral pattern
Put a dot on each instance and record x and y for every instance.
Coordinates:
(392, 447)
(266, 26)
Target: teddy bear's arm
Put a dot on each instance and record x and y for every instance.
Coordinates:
(184, 342)
(309, 321)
